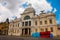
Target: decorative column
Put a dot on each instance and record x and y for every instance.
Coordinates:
(44, 29)
(28, 31)
(28, 23)
(23, 31)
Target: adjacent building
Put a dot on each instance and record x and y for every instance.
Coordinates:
(4, 26)
(30, 23)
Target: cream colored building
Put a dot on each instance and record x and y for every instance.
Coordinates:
(30, 23)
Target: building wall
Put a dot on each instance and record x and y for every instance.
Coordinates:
(36, 26)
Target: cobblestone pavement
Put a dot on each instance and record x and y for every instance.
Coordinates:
(24, 38)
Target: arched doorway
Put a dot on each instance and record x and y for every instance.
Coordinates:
(26, 32)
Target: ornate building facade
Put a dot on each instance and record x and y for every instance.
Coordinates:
(30, 23)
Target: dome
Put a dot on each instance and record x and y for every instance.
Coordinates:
(29, 9)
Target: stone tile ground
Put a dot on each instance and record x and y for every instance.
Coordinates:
(25, 38)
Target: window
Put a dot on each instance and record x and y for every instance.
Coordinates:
(35, 22)
(13, 25)
(18, 31)
(50, 21)
(26, 23)
(35, 30)
(9, 25)
(13, 30)
(46, 29)
(51, 29)
(18, 24)
(22, 23)
(29, 23)
(45, 22)
(58, 28)
(40, 22)
(26, 17)
(42, 29)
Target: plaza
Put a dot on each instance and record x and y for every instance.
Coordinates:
(25, 38)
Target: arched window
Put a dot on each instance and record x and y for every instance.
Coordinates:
(26, 17)
(51, 29)
(50, 21)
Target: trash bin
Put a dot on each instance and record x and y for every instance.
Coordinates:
(51, 35)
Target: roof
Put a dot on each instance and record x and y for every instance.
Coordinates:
(29, 9)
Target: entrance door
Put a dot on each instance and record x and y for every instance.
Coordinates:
(29, 31)
(26, 31)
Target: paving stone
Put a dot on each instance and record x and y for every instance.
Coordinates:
(25, 38)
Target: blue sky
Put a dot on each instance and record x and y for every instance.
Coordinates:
(56, 4)
(13, 8)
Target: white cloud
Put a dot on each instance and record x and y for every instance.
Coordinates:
(19, 11)
(5, 13)
(54, 10)
(39, 5)
(14, 7)
(58, 21)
